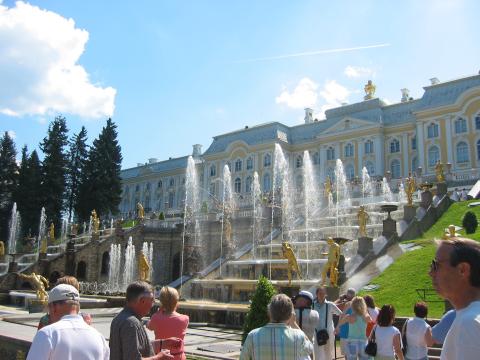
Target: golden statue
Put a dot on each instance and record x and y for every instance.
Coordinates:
(51, 232)
(450, 232)
(328, 187)
(143, 268)
(43, 245)
(369, 90)
(140, 211)
(410, 189)
(292, 261)
(332, 263)
(2, 249)
(39, 284)
(439, 171)
(362, 221)
(95, 221)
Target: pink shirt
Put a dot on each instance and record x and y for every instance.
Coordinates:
(171, 325)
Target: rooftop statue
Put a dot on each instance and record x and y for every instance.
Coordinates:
(143, 268)
(39, 284)
(439, 171)
(140, 211)
(331, 266)
(410, 189)
(362, 221)
(369, 90)
(292, 264)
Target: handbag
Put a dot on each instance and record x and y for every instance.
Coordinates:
(322, 334)
(404, 338)
(371, 348)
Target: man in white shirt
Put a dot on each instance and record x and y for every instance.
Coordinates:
(69, 337)
(328, 308)
(455, 273)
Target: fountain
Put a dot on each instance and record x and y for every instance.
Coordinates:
(367, 190)
(227, 209)
(114, 284)
(130, 266)
(257, 212)
(42, 227)
(14, 230)
(386, 192)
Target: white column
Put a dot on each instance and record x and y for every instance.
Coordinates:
(448, 133)
(380, 155)
(360, 147)
(405, 154)
(421, 147)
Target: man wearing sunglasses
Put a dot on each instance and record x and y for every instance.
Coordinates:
(455, 274)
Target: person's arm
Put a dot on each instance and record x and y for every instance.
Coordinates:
(41, 347)
(397, 346)
(172, 343)
(334, 309)
(428, 337)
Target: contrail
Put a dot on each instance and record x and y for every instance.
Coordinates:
(311, 53)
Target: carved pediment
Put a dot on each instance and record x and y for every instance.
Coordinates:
(347, 123)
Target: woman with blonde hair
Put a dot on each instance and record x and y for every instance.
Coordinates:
(167, 322)
(357, 325)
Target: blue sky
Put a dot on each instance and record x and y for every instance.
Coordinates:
(176, 73)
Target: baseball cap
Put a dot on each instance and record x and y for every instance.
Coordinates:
(306, 294)
(63, 292)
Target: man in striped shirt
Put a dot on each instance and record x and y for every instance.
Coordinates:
(281, 338)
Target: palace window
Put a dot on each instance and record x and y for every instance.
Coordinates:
(299, 182)
(172, 182)
(370, 168)
(330, 153)
(183, 181)
(349, 150)
(238, 165)
(267, 160)
(349, 172)
(316, 158)
(266, 183)
(159, 184)
(213, 170)
(249, 163)
(394, 146)
(137, 187)
(248, 184)
(395, 169)
(331, 174)
(369, 147)
(478, 149)
(147, 202)
(414, 143)
(171, 199)
(477, 122)
(433, 155)
(148, 186)
(238, 185)
(126, 190)
(414, 164)
(462, 152)
(212, 189)
(299, 161)
(460, 126)
(432, 131)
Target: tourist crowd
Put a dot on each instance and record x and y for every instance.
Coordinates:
(303, 328)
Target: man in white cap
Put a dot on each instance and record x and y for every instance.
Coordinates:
(68, 337)
(306, 317)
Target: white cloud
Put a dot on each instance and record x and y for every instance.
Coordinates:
(304, 95)
(334, 95)
(12, 134)
(358, 71)
(40, 50)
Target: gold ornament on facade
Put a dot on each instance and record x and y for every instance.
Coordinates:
(333, 258)
(292, 264)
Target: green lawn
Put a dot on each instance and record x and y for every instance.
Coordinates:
(398, 283)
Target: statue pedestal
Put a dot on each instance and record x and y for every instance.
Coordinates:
(42, 256)
(12, 266)
(2, 259)
(36, 306)
(409, 212)
(389, 227)
(333, 293)
(95, 236)
(365, 245)
(441, 189)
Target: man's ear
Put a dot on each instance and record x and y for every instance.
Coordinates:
(464, 270)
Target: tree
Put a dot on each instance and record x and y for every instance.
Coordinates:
(470, 222)
(8, 181)
(257, 315)
(77, 160)
(100, 188)
(29, 192)
(54, 170)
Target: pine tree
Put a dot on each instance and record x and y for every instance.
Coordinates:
(8, 181)
(29, 192)
(77, 160)
(101, 183)
(257, 315)
(54, 169)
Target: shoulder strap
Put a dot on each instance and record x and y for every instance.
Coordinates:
(372, 336)
(326, 313)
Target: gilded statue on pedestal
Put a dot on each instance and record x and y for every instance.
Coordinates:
(95, 222)
(143, 268)
(328, 187)
(332, 263)
(439, 171)
(43, 245)
(39, 284)
(292, 264)
(451, 232)
(362, 221)
(369, 90)
(2, 249)
(140, 211)
(51, 232)
(410, 189)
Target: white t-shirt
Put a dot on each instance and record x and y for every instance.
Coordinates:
(416, 345)
(309, 322)
(70, 338)
(373, 313)
(463, 338)
(384, 339)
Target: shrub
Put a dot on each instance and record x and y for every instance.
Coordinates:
(161, 216)
(258, 313)
(469, 222)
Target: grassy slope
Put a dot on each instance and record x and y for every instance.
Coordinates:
(398, 283)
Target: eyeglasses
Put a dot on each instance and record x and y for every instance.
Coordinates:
(436, 264)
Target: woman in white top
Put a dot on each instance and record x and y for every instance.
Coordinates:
(372, 311)
(418, 333)
(387, 336)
